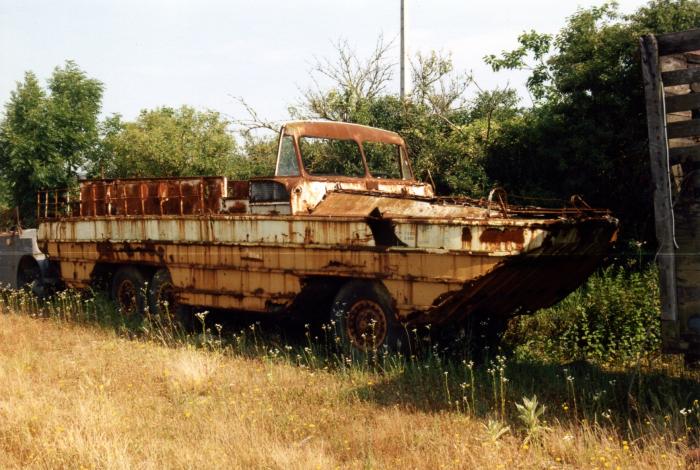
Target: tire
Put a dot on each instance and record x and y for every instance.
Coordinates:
(365, 320)
(163, 304)
(128, 285)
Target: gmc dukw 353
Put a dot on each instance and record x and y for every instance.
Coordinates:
(342, 227)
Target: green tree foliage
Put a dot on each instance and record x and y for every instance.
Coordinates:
(48, 137)
(587, 132)
(5, 196)
(167, 142)
(257, 159)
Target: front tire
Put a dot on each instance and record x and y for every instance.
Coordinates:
(365, 319)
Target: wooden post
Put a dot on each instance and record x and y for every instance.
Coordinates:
(660, 171)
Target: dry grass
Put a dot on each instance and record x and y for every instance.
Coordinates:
(75, 396)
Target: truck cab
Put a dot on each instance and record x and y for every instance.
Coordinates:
(315, 157)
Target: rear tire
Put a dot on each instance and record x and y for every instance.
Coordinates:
(128, 285)
(365, 320)
(163, 303)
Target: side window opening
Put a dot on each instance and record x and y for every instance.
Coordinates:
(287, 163)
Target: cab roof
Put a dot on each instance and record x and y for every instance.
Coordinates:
(341, 131)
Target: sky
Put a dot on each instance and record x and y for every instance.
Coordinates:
(205, 53)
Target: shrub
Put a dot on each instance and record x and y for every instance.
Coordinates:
(614, 317)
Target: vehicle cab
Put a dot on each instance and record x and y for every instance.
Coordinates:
(318, 157)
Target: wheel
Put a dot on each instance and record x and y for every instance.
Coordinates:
(162, 302)
(364, 318)
(128, 285)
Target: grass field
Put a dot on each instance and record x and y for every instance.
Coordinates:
(74, 394)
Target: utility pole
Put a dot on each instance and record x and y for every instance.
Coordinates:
(402, 77)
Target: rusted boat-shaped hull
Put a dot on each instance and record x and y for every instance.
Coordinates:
(440, 270)
(343, 228)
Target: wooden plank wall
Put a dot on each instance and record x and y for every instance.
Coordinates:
(671, 67)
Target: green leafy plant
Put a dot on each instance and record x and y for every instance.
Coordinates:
(494, 430)
(530, 414)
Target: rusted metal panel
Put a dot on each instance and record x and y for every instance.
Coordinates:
(442, 234)
(231, 273)
(147, 196)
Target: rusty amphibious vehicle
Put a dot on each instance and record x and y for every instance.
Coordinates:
(343, 227)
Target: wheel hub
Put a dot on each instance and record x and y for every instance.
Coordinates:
(366, 325)
(165, 300)
(127, 297)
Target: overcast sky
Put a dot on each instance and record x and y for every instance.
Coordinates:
(203, 53)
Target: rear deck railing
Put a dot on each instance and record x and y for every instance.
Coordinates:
(134, 197)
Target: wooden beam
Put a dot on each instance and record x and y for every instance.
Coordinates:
(681, 76)
(689, 128)
(683, 41)
(682, 102)
(684, 154)
(660, 171)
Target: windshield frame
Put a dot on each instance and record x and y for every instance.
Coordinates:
(342, 132)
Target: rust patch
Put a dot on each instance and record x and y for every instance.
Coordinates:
(506, 235)
(105, 250)
(466, 235)
(238, 189)
(238, 208)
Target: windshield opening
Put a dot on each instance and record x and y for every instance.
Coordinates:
(331, 157)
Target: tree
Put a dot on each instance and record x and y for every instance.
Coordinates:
(167, 142)
(445, 132)
(258, 157)
(352, 83)
(587, 133)
(48, 139)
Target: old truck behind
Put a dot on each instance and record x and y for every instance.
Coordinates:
(343, 228)
(22, 264)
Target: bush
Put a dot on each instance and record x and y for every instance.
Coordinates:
(613, 318)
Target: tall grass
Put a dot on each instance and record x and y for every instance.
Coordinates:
(615, 387)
